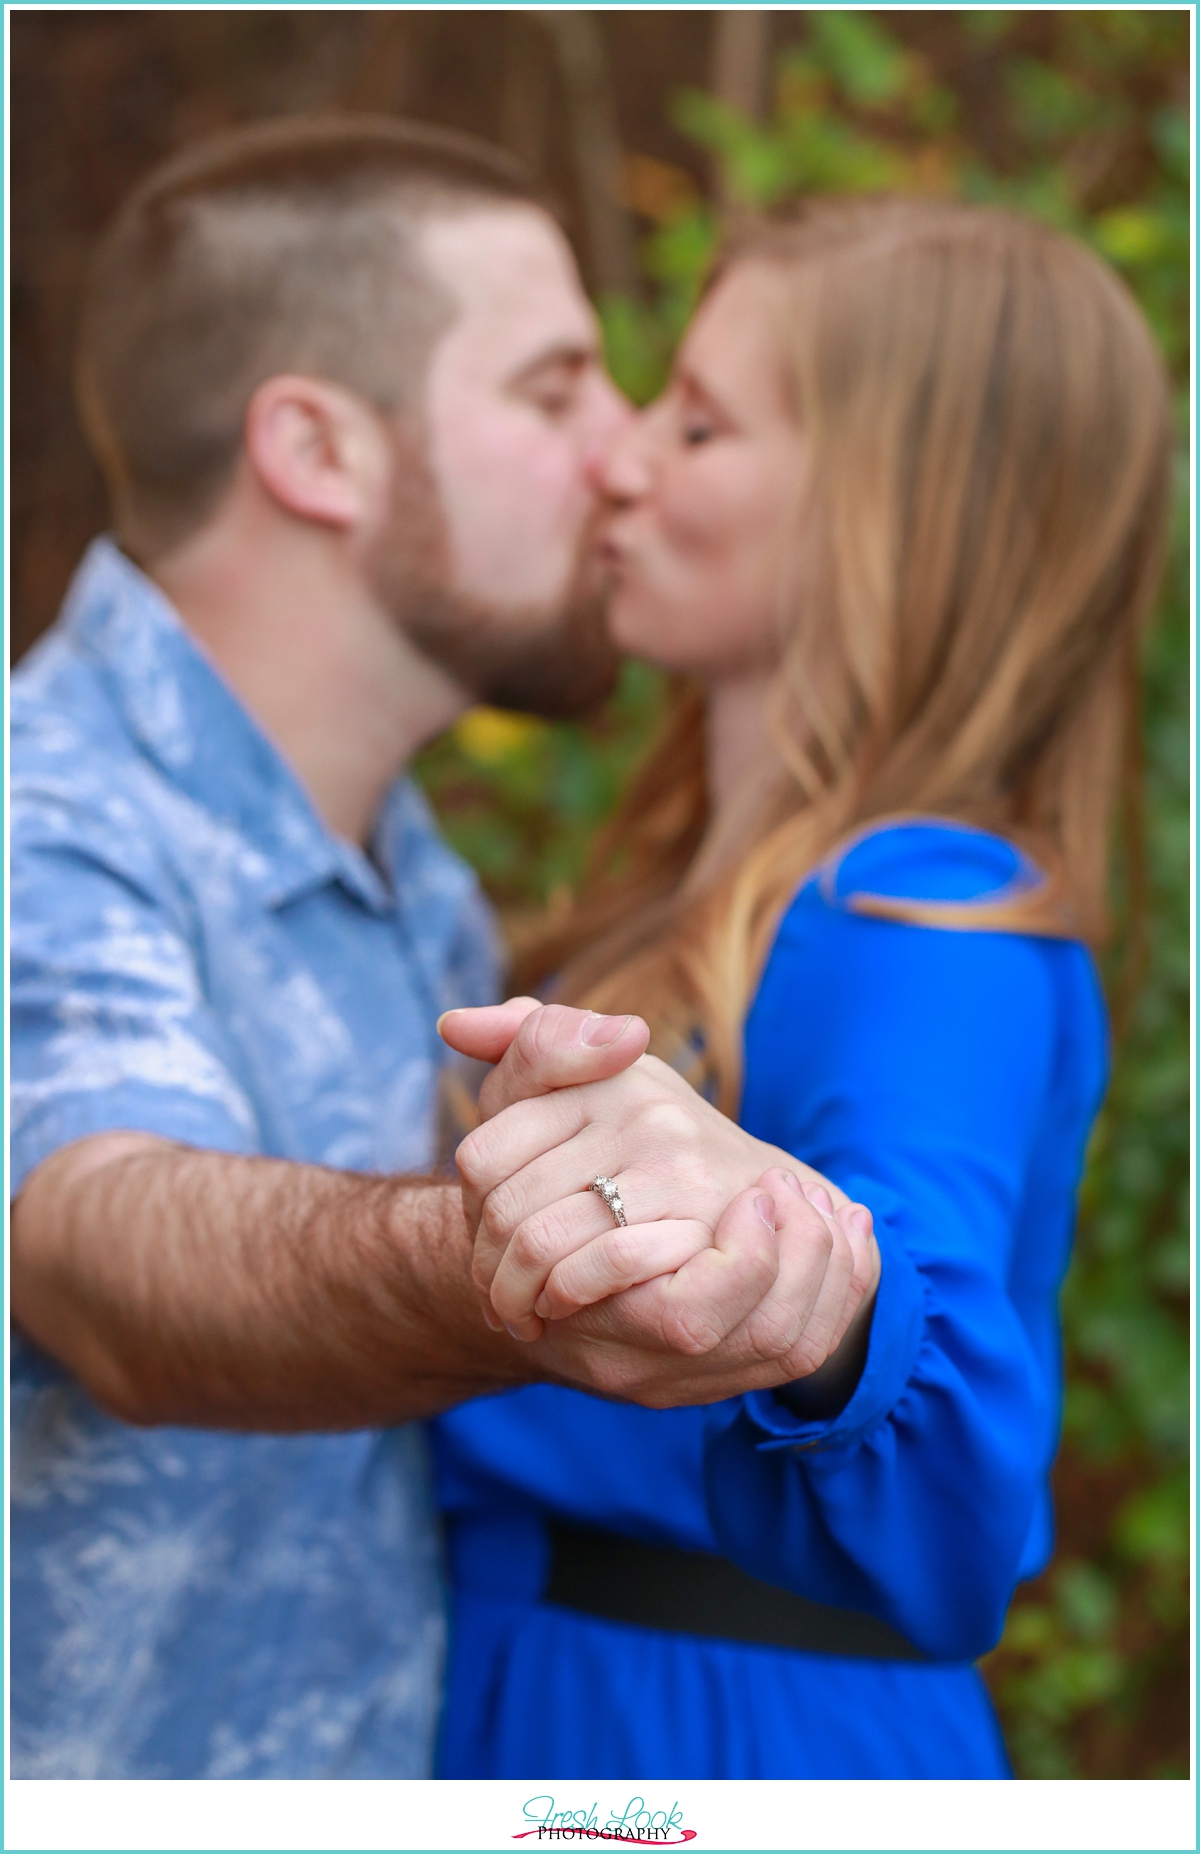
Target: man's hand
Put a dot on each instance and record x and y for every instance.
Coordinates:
(690, 1275)
(184, 1286)
(760, 1307)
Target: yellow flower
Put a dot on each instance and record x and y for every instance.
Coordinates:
(489, 735)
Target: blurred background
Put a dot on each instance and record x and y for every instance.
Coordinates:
(647, 123)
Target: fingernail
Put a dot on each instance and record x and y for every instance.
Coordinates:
(861, 1218)
(514, 1334)
(765, 1207)
(492, 1321)
(819, 1196)
(441, 1020)
(793, 1183)
(598, 1031)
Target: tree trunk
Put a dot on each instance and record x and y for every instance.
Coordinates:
(740, 53)
(382, 81)
(524, 93)
(741, 43)
(583, 63)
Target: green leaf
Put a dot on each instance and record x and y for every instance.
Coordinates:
(869, 67)
(1087, 1600)
(1173, 140)
(1048, 104)
(1133, 234)
(986, 25)
(1155, 1525)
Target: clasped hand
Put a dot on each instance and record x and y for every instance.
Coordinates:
(736, 1256)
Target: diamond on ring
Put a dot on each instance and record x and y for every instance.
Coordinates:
(611, 1193)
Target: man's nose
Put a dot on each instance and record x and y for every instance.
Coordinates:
(612, 414)
(620, 468)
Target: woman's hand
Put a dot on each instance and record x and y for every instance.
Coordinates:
(546, 1246)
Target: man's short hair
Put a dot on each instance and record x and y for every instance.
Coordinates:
(286, 247)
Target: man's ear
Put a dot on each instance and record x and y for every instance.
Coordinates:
(318, 450)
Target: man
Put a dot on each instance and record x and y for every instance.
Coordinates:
(345, 388)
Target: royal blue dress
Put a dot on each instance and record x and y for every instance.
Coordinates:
(949, 1081)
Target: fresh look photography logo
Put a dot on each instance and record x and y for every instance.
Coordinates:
(637, 1824)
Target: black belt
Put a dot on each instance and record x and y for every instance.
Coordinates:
(697, 1593)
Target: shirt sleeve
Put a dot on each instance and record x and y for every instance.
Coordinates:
(912, 1066)
(109, 1026)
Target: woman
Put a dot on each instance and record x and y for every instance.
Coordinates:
(898, 519)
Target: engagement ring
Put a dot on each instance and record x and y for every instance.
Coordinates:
(611, 1193)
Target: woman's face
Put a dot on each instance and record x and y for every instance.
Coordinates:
(703, 493)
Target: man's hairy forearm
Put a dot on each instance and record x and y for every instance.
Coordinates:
(202, 1288)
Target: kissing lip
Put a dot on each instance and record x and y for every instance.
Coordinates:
(611, 556)
(611, 548)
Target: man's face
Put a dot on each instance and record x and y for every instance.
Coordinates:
(518, 404)
(517, 409)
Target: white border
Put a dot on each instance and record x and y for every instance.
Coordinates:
(368, 1815)
(325, 1815)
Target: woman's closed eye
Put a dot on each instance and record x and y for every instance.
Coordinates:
(699, 418)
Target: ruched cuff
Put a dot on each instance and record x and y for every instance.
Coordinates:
(897, 1328)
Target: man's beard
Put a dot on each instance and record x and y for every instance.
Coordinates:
(556, 668)
(557, 664)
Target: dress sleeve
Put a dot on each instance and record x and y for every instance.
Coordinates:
(912, 1066)
(109, 1027)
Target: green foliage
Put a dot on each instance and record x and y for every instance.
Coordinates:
(1091, 1651)
(521, 799)
(1087, 127)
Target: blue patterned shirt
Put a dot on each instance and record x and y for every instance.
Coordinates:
(194, 954)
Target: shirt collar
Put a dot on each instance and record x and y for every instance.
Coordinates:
(189, 722)
(431, 883)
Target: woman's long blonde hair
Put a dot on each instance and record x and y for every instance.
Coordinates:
(987, 429)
